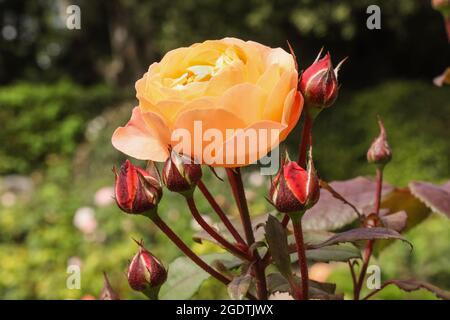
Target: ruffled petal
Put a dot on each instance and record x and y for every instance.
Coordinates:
(191, 127)
(247, 100)
(144, 137)
(248, 145)
(230, 76)
(293, 106)
(275, 103)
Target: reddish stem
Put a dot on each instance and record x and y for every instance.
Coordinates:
(379, 180)
(369, 248)
(234, 176)
(306, 134)
(285, 220)
(209, 197)
(298, 234)
(213, 233)
(367, 254)
(237, 187)
(186, 250)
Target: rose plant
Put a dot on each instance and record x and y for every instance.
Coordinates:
(240, 90)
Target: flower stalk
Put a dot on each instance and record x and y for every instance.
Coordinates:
(186, 250)
(379, 154)
(369, 247)
(213, 233)
(301, 253)
(305, 139)
(235, 179)
(223, 217)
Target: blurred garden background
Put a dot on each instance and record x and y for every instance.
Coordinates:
(63, 92)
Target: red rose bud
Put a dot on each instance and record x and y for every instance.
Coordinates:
(319, 83)
(180, 173)
(379, 152)
(146, 273)
(107, 292)
(137, 190)
(295, 189)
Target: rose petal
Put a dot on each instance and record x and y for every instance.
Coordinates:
(282, 58)
(249, 145)
(144, 137)
(269, 78)
(245, 99)
(227, 78)
(293, 106)
(274, 106)
(195, 123)
(173, 62)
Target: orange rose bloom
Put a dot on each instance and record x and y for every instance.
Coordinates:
(224, 85)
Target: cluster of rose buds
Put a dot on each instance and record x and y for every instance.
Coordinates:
(139, 191)
(294, 189)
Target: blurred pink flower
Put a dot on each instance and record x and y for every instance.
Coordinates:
(84, 220)
(104, 197)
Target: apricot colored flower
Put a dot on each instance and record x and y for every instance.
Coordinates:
(217, 93)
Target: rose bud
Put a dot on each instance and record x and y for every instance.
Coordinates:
(295, 189)
(379, 152)
(107, 292)
(319, 82)
(180, 173)
(137, 190)
(146, 273)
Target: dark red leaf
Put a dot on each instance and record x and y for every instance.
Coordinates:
(239, 286)
(331, 214)
(437, 198)
(395, 221)
(278, 246)
(413, 285)
(361, 234)
(403, 200)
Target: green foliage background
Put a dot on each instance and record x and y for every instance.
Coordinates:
(57, 120)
